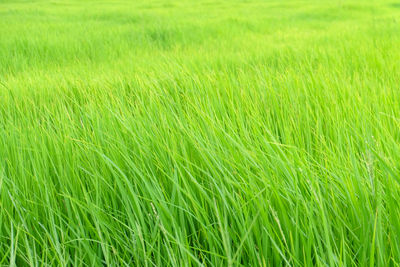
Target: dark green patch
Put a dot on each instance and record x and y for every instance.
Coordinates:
(117, 17)
(395, 5)
(241, 24)
(319, 16)
(163, 38)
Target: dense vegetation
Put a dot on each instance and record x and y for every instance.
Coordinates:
(210, 132)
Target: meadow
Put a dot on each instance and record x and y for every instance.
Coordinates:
(199, 133)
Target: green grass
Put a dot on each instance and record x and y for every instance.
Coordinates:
(210, 132)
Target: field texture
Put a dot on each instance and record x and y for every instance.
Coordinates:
(200, 133)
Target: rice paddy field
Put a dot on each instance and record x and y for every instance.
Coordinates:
(199, 133)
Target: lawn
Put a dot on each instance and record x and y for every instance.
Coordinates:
(200, 133)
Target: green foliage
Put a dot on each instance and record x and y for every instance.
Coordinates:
(188, 133)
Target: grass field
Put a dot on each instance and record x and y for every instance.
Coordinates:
(210, 132)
